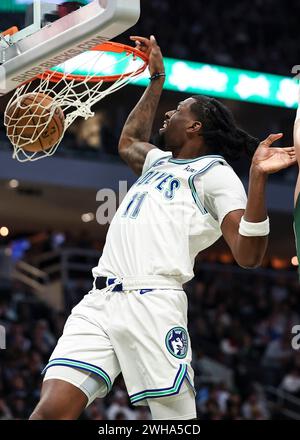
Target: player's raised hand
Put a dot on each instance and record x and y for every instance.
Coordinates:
(269, 160)
(150, 47)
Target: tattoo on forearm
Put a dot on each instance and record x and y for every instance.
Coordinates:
(139, 122)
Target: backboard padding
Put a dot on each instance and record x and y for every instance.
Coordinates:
(65, 38)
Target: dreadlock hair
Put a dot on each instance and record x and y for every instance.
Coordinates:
(219, 130)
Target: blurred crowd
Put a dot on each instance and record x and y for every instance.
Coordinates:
(258, 36)
(241, 331)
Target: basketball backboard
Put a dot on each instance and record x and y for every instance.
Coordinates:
(31, 15)
(50, 32)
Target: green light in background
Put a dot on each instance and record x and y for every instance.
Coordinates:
(197, 78)
(226, 82)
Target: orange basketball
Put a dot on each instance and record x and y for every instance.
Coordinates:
(28, 125)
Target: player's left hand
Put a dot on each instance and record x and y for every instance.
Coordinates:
(269, 160)
(150, 47)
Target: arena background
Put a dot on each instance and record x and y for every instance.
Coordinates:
(240, 321)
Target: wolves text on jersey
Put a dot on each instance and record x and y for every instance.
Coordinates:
(163, 182)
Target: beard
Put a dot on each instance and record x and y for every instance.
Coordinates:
(160, 141)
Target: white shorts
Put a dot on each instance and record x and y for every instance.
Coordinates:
(141, 333)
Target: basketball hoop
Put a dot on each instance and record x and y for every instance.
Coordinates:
(75, 86)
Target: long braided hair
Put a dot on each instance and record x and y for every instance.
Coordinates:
(219, 130)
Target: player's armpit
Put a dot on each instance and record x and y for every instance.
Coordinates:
(134, 153)
(247, 251)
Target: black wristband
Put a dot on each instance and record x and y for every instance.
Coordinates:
(156, 75)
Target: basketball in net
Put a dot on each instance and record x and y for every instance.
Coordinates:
(40, 112)
(34, 123)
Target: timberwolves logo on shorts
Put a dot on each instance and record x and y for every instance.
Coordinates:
(177, 342)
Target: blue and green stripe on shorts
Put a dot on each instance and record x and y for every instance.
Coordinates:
(82, 366)
(162, 392)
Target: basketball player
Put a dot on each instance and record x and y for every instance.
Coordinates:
(134, 320)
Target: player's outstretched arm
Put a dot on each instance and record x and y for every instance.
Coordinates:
(246, 232)
(134, 140)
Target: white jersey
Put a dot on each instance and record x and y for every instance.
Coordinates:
(173, 212)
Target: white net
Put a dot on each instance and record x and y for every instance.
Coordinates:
(28, 117)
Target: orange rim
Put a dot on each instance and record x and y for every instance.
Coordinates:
(108, 46)
(11, 31)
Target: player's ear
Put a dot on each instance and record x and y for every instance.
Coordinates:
(194, 127)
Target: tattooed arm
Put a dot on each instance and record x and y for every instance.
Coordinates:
(134, 140)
